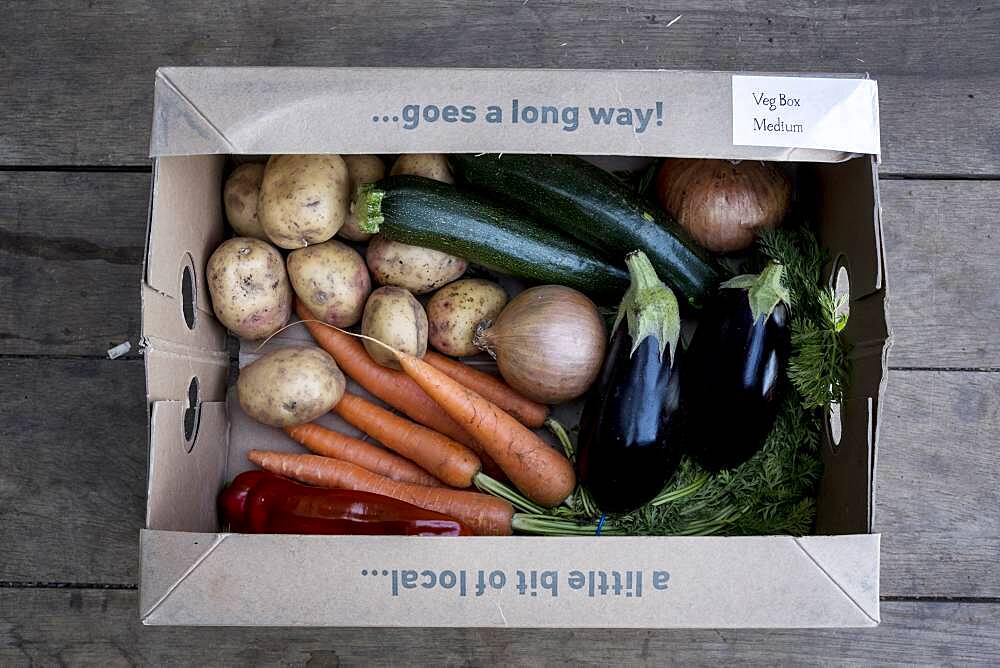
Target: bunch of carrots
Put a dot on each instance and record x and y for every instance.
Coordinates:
(463, 428)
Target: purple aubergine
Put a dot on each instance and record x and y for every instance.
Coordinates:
(627, 445)
(734, 370)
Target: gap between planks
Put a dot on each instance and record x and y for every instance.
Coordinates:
(147, 169)
(120, 586)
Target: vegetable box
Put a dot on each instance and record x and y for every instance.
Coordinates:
(193, 574)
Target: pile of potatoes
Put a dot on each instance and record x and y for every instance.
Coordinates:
(299, 236)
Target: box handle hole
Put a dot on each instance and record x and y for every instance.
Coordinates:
(840, 283)
(834, 425)
(189, 294)
(192, 414)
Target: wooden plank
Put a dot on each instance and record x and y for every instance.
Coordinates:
(72, 489)
(942, 245)
(95, 627)
(71, 247)
(936, 561)
(72, 470)
(941, 60)
(936, 488)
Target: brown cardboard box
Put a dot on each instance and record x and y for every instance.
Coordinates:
(192, 574)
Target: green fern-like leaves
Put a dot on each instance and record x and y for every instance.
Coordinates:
(819, 367)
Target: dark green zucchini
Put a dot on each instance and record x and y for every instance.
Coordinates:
(593, 206)
(427, 213)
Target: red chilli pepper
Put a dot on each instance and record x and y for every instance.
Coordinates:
(261, 502)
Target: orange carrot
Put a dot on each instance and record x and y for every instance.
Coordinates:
(542, 474)
(486, 515)
(529, 413)
(447, 460)
(331, 443)
(393, 387)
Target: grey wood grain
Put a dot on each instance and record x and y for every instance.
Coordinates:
(78, 77)
(935, 497)
(72, 470)
(943, 246)
(101, 628)
(72, 485)
(71, 248)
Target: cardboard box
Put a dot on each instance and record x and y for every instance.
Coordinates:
(192, 574)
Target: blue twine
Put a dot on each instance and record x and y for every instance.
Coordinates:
(600, 524)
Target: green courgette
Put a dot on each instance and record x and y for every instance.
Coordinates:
(422, 212)
(596, 208)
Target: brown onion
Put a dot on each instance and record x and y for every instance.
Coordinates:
(548, 342)
(722, 203)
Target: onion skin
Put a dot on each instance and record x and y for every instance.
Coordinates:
(549, 343)
(723, 204)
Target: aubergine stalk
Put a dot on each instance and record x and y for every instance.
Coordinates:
(627, 449)
(734, 369)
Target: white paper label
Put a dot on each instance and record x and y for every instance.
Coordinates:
(806, 112)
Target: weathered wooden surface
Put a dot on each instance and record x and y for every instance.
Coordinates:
(935, 497)
(78, 76)
(72, 470)
(77, 92)
(100, 628)
(943, 247)
(71, 247)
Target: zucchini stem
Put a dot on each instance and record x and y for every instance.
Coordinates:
(367, 206)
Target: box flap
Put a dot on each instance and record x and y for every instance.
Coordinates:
(850, 568)
(164, 326)
(266, 110)
(849, 223)
(171, 375)
(188, 447)
(167, 561)
(180, 124)
(185, 226)
(276, 580)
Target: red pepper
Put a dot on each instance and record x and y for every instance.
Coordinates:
(261, 502)
(233, 499)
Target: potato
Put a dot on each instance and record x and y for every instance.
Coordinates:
(240, 196)
(362, 169)
(249, 287)
(419, 270)
(332, 280)
(290, 386)
(456, 309)
(429, 165)
(396, 318)
(304, 199)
